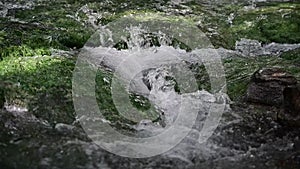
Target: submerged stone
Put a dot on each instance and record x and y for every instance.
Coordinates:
(267, 85)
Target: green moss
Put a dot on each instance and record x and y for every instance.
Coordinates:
(140, 102)
(292, 55)
(237, 90)
(73, 39)
(23, 51)
(119, 6)
(269, 24)
(44, 27)
(43, 84)
(36, 38)
(216, 20)
(107, 106)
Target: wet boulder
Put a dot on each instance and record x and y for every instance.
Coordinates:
(291, 106)
(267, 85)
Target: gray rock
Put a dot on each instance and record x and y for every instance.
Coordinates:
(248, 47)
(252, 48)
(64, 128)
(267, 85)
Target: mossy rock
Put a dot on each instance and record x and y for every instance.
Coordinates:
(269, 24)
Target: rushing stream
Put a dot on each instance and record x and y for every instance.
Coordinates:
(193, 128)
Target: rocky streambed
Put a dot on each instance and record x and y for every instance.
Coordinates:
(247, 137)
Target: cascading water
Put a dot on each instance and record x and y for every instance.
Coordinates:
(153, 72)
(157, 81)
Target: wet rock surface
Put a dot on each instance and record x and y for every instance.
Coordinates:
(239, 142)
(291, 106)
(267, 85)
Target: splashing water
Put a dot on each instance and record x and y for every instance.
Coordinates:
(153, 71)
